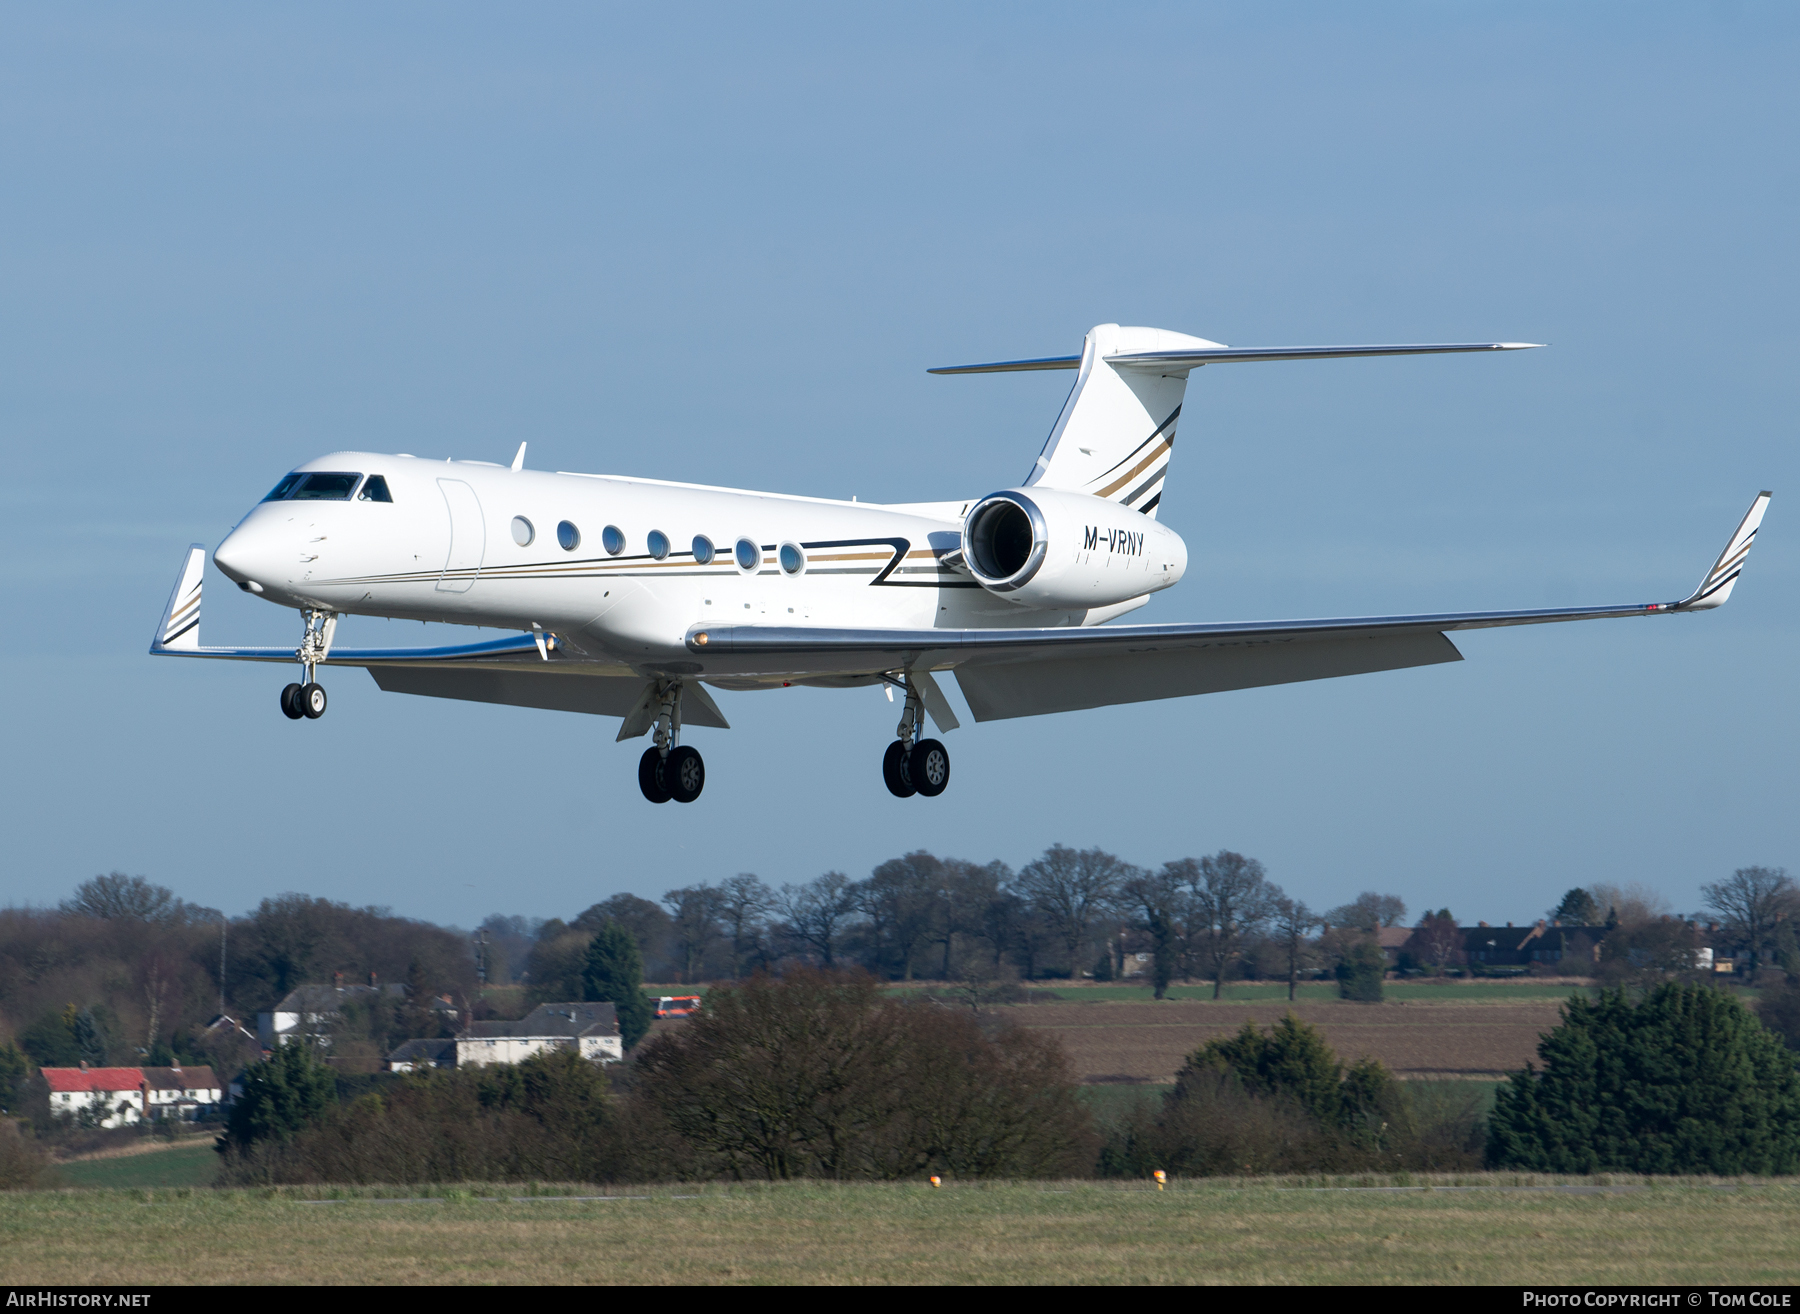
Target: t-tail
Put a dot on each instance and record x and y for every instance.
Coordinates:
(1116, 433)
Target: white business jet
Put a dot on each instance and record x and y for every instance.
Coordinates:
(632, 596)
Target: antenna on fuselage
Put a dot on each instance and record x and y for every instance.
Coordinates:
(519, 460)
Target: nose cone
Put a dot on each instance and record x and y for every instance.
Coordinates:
(250, 553)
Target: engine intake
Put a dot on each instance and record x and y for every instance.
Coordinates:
(1048, 548)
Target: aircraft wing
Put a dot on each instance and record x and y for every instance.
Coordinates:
(1027, 672)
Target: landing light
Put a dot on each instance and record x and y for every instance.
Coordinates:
(700, 639)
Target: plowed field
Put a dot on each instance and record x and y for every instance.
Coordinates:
(1148, 1041)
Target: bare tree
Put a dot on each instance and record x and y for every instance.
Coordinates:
(1630, 905)
(1231, 898)
(1369, 911)
(1157, 899)
(743, 903)
(1071, 888)
(1292, 922)
(127, 897)
(694, 924)
(816, 911)
(1752, 903)
(902, 899)
(1437, 942)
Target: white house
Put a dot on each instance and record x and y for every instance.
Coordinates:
(416, 1055)
(591, 1030)
(178, 1092)
(113, 1096)
(310, 1011)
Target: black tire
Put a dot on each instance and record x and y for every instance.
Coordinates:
(929, 767)
(685, 774)
(311, 701)
(650, 776)
(893, 771)
(290, 703)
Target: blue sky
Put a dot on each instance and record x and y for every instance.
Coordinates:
(724, 244)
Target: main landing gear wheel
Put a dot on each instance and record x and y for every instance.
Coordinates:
(894, 771)
(651, 776)
(311, 701)
(290, 703)
(928, 767)
(684, 773)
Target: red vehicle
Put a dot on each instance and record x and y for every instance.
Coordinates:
(677, 1005)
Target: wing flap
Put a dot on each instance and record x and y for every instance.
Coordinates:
(999, 690)
(554, 690)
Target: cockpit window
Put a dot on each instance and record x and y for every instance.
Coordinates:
(325, 487)
(283, 488)
(376, 490)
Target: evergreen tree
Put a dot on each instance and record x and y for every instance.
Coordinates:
(1361, 971)
(282, 1094)
(1686, 1081)
(50, 1042)
(1577, 909)
(90, 1037)
(1292, 1060)
(14, 1069)
(613, 974)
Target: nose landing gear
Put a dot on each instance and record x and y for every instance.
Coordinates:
(670, 769)
(914, 766)
(308, 699)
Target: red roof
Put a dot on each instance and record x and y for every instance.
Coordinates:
(108, 1079)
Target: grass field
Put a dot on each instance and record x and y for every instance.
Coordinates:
(1660, 1232)
(193, 1164)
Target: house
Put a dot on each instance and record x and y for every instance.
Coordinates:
(310, 1010)
(1544, 942)
(417, 1054)
(178, 1092)
(592, 1030)
(112, 1097)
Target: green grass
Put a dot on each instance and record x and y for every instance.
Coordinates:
(1648, 1233)
(181, 1165)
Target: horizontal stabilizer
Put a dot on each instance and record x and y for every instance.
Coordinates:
(1222, 355)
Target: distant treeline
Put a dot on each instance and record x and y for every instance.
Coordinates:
(826, 1074)
(125, 972)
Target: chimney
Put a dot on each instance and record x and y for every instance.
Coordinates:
(372, 984)
(337, 979)
(1481, 923)
(84, 1065)
(1509, 924)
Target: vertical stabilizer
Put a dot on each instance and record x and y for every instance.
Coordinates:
(1116, 432)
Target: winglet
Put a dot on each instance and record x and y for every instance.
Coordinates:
(180, 627)
(1716, 587)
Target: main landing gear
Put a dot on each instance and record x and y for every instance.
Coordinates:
(308, 699)
(670, 769)
(914, 766)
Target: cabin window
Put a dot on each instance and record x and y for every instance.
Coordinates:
(325, 486)
(283, 488)
(568, 536)
(749, 556)
(376, 490)
(658, 544)
(703, 549)
(612, 538)
(522, 531)
(793, 560)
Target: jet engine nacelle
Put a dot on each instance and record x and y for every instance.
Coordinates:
(1042, 547)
